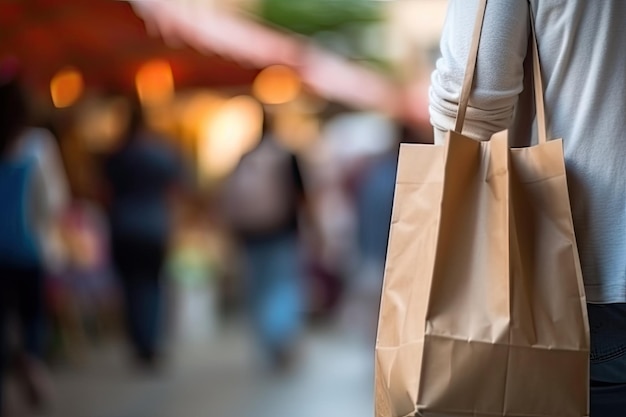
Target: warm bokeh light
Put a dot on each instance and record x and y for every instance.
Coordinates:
(66, 87)
(162, 119)
(277, 84)
(233, 130)
(240, 121)
(296, 130)
(101, 123)
(196, 109)
(155, 83)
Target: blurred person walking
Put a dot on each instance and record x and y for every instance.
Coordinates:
(33, 196)
(581, 48)
(262, 202)
(144, 174)
(373, 203)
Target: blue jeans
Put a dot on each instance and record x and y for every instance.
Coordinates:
(274, 291)
(607, 324)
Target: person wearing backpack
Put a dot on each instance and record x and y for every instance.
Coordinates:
(33, 193)
(262, 202)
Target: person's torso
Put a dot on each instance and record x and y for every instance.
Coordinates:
(582, 46)
(141, 176)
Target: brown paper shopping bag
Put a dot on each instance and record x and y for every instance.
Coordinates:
(483, 310)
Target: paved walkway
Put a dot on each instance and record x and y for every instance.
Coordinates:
(215, 376)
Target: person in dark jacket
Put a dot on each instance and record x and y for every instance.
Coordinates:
(142, 176)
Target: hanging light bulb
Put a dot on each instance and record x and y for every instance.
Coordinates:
(277, 84)
(66, 87)
(155, 83)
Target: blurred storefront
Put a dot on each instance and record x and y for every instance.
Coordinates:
(342, 79)
(76, 52)
(338, 77)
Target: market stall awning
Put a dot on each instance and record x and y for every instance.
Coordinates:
(106, 41)
(253, 44)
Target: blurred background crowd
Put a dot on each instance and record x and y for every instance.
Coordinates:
(195, 197)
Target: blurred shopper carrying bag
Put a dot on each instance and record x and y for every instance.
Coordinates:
(483, 310)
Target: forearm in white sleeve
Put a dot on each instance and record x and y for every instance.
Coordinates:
(498, 80)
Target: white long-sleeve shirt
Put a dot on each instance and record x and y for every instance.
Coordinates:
(582, 48)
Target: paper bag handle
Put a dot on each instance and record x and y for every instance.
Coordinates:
(540, 108)
(470, 69)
